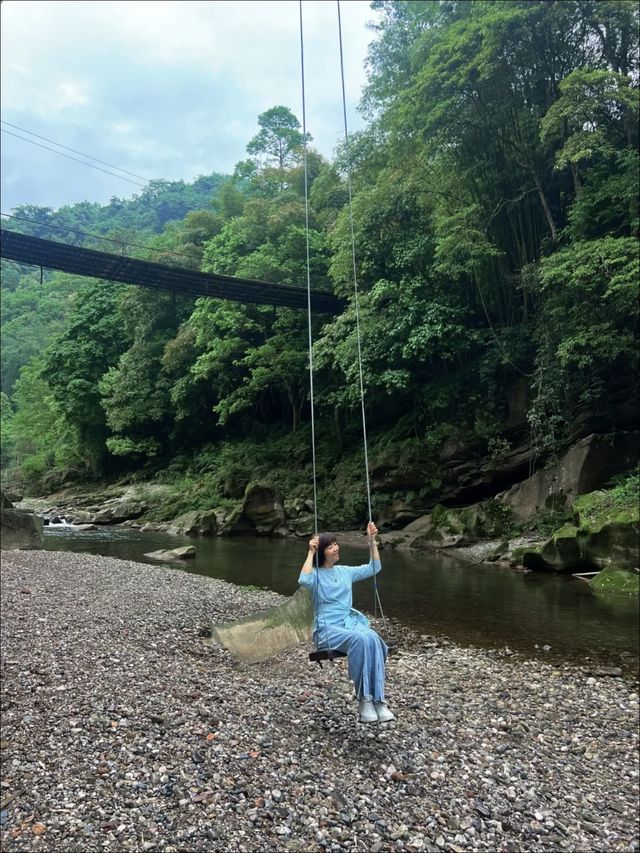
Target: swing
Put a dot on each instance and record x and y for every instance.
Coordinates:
(320, 655)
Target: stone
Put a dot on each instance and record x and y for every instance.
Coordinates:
(398, 514)
(21, 530)
(616, 580)
(564, 552)
(194, 523)
(264, 507)
(588, 465)
(420, 525)
(233, 522)
(185, 553)
(122, 511)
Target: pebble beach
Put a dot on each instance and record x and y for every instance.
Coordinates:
(123, 731)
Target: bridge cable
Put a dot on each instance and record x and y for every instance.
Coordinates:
(376, 597)
(93, 237)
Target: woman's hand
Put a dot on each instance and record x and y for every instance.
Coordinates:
(313, 544)
(372, 530)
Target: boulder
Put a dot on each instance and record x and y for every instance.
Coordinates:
(304, 525)
(152, 527)
(80, 517)
(119, 512)
(185, 553)
(398, 514)
(613, 531)
(588, 465)
(20, 530)
(617, 580)
(420, 525)
(87, 527)
(566, 551)
(613, 539)
(616, 542)
(5, 502)
(233, 522)
(263, 506)
(195, 523)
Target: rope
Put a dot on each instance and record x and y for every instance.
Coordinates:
(309, 329)
(376, 597)
(306, 219)
(353, 259)
(377, 603)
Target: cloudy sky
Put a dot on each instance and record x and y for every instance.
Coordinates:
(163, 89)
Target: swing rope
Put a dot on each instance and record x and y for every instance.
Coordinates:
(376, 597)
(377, 602)
(309, 328)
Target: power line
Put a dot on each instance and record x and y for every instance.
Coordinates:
(66, 148)
(69, 157)
(96, 236)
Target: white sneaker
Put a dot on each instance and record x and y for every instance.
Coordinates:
(367, 711)
(383, 713)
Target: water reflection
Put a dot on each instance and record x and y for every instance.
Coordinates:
(435, 594)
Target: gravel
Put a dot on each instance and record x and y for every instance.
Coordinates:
(122, 731)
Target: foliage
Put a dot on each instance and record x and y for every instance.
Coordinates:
(490, 250)
(624, 494)
(279, 139)
(76, 360)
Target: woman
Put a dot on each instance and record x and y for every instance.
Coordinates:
(338, 626)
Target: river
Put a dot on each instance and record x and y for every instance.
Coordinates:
(482, 605)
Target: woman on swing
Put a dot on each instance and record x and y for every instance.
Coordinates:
(338, 626)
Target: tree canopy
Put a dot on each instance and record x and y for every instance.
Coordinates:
(495, 216)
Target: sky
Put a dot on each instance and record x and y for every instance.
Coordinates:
(163, 89)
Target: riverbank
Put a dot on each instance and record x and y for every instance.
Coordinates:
(122, 731)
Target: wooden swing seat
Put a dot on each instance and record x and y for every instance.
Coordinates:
(330, 654)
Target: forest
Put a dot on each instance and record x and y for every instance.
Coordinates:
(496, 222)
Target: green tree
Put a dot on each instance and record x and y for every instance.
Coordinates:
(279, 139)
(78, 358)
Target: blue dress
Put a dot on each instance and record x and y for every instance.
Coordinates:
(337, 625)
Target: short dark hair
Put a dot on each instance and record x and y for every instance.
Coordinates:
(324, 540)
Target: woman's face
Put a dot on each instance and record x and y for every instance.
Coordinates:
(331, 553)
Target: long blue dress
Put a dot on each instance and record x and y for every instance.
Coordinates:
(337, 625)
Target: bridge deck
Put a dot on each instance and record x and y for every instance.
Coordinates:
(88, 262)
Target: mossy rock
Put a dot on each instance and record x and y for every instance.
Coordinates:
(616, 580)
(564, 552)
(618, 542)
(594, 511)
(446, 520)
(499, 551)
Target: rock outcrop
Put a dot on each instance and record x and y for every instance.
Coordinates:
(196, 523)
(586, 466)
(600, 536)
(264, 507)
(19, 529)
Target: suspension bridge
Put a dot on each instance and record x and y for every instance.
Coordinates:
(55, 255)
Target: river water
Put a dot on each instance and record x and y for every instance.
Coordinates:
(482, 605)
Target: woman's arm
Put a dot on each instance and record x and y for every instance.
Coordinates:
(360, 573)
(307, 566)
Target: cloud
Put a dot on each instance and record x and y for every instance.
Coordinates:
(166, 89)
